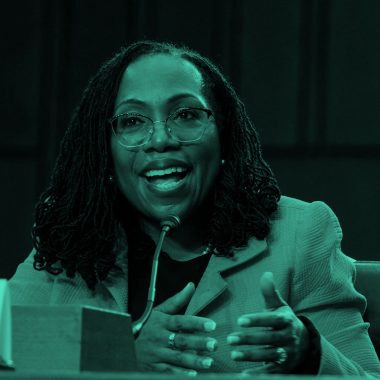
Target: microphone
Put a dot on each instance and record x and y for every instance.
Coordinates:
(167, 224)
(170, 222)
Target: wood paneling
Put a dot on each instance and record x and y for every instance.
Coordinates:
(18, 177)
(20, 67)
(96, 33)
(270, 60)
(354, 75)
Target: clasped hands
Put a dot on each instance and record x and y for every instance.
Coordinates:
(177, 343)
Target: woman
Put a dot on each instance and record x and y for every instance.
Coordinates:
(249, 277)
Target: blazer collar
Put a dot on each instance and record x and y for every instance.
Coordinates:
(212, 284)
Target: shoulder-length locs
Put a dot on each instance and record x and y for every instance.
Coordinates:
(76, 216)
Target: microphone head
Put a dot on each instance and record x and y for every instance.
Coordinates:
(171, 221)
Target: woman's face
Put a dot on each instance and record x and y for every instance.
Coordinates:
(148, 87)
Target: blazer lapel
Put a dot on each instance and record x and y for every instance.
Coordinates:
(212, 284)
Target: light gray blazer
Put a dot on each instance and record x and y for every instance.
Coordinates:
(312, 274)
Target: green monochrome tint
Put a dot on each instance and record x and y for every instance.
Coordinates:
(184, 124)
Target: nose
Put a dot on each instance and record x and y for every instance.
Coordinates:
(160, 139)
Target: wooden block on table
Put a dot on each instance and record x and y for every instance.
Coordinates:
(72, 337)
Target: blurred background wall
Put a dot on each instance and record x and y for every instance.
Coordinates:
(307, 70)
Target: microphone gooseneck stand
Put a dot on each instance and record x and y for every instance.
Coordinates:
(167, 224)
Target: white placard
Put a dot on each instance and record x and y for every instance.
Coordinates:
(5, 326)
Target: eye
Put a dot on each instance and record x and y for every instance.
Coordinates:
(130, 121)
(186, 114)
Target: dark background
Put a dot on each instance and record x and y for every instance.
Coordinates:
(308, 72)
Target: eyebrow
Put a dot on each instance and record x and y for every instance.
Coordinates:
(171, 100)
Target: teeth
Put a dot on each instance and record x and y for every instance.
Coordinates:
(152, 173)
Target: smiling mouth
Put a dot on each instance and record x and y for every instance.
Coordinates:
(167, 181)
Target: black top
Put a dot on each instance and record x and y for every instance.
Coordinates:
(172, 277)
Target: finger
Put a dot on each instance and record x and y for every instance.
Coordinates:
(174, 304)
(272, 296)
(255, 354)
(190, 323)
(272, 319)
(187, 360)
(194, 342)
(282, 337)
(164, 367)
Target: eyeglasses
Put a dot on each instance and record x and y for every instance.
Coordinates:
(184, 125)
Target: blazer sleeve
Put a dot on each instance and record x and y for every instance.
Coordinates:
(323, 291)
(28, 286)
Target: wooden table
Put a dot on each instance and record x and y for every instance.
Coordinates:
(31, 375)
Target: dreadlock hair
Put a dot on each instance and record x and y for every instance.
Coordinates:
(76, 218)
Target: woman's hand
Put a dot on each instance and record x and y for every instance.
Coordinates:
(273, 335)
(189, 354)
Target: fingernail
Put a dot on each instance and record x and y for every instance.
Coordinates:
(243, 321)
(233, 339)
(211, 344)
(206, 363)
(209, 326)
(192, 373)
(236, 354)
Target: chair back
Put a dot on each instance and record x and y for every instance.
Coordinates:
(368, 284)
